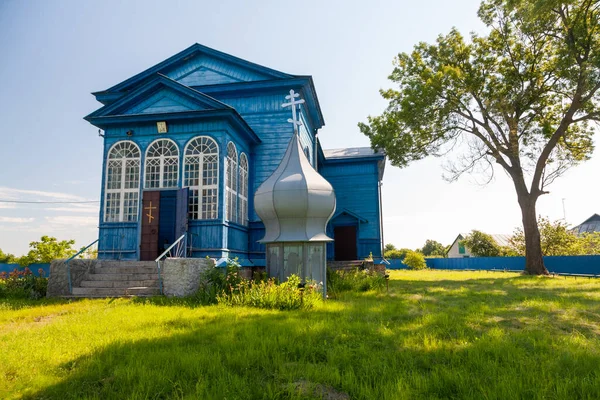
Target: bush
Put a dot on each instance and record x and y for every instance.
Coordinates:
(23, 284)
(353, 281)
(415, 260)
(214, 281)
(396, 254)
(268, 294)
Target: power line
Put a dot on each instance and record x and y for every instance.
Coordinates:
(48, 202)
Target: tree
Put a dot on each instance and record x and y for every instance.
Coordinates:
(47, 250)
(523, 97)
(433, 248)
(555, 239)
(481, 244)
(7, 258)
(414, 260)
(389, 247)
(589, 243)
(396, 254)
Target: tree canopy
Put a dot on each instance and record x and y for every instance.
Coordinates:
(558, 240)
(47, 250)
(482, 245)
(433, 248)
(524, 97)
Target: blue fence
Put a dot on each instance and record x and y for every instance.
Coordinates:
(557, 264)
(33, 267)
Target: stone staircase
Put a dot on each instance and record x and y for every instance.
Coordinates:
(345, 265)
(119, 279)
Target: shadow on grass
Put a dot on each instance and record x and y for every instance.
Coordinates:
(425, 339)
(18, 304)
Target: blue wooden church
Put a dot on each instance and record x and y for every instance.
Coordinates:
(188, 141)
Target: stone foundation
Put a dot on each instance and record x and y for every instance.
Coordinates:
(58, 280)
(181, 276)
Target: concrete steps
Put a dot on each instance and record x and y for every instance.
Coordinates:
(120, 279)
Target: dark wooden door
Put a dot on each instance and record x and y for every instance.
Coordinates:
(345, 243)
(150, 223)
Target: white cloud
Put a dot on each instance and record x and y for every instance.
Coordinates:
(7, 205)
(16, 220)
(7, 193)
(72, 220)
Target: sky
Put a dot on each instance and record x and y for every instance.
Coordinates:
(55, 53)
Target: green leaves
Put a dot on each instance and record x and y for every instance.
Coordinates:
(528, 87)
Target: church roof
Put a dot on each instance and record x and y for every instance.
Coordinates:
(351, 152)
(191, 51)
(213, 72)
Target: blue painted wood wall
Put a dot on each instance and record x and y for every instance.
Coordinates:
(355, 182)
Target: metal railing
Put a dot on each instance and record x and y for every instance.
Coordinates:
(180, 251)
(72, 257)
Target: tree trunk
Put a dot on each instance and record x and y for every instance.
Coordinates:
(534, 261)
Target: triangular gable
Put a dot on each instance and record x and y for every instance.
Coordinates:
(346, 212)
(160, 95)
(162, 102)
(199, 61)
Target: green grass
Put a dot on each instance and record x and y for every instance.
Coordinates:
(435, 335)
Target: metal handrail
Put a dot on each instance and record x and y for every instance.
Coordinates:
(72, 257)
(177, 252)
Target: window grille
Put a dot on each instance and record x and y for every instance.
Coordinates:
(201, 176)
(244, 189)
(231, 177)
(162, 165)
(122, 183)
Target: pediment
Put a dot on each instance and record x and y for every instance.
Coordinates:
(160, 95)
(164, 101)
(202, 66)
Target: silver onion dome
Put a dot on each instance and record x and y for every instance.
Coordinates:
(295, 202)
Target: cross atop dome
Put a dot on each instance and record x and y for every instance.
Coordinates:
(293, 103)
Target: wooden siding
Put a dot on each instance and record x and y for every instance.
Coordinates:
(118, 241)
(162, 102)
(205, 70)
(356, 190)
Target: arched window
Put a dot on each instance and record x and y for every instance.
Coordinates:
(231, 177)
(162, 164)
(243, 189)
(201, 175)
(122, 183)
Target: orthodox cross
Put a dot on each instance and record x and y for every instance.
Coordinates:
(149, 215)
(293, 102)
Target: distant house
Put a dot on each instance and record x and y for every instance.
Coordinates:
(457, 250)
(592, 224)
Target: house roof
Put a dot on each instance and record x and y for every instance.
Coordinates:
(594, 217)
(501, 239)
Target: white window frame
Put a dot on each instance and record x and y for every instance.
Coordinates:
(195, 153)
(243, 189)
(163, 161)
(133, 193)
(231, 177)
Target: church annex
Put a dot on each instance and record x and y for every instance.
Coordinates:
(189, 141)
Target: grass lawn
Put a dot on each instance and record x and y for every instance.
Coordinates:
(436, 334)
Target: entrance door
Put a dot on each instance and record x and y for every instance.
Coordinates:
(150, 224)
(173, 217)
(345, 243)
